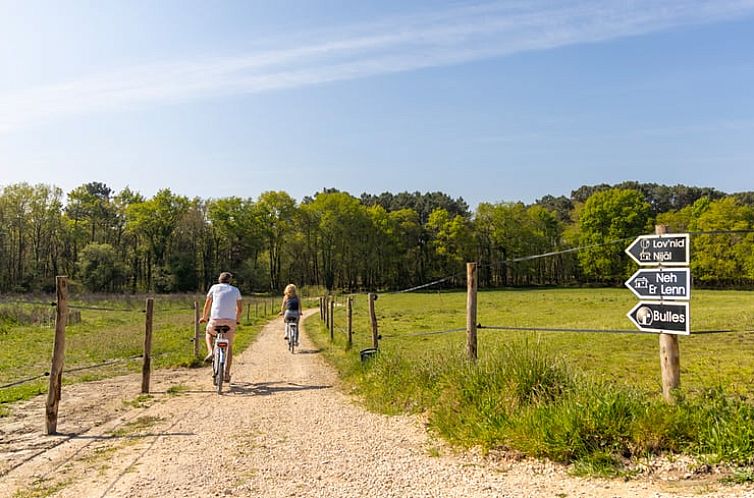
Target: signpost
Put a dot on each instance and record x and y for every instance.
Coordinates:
(653, 250)
(671, 289)
(668, 318)
(671, 284)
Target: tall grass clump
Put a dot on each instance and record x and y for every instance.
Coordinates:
(592, 425)
(720, 428)
(393, 383)
(478, 400)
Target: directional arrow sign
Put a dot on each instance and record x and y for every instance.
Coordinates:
(661, 283)
(670, 250)
(669, 318)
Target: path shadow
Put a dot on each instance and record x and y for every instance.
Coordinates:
(269, 388)
(307, 351)
(104, 437)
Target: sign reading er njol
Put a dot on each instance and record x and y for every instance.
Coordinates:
(667, 318)
(653, 250)
(661, 283)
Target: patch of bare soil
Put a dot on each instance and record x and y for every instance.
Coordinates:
(284, 428)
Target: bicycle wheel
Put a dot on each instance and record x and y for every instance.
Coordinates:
(218, 366)
(291, 338)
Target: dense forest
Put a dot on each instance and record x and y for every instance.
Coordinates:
(108, 241)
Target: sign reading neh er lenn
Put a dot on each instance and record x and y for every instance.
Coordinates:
(661, 283)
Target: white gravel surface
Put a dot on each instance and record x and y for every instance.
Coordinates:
(284, 428)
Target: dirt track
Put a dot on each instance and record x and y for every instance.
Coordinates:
(283, 429)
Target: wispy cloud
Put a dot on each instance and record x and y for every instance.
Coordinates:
(452, 36)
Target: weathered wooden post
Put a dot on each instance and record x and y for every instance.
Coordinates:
(373, 320)
(265, 307)
(248, 312)
(196, 328)
(332, 320)
(256, 308)
(670, 354)
(471, 308)
(327, 312)
(58, 352)
(350, 321)
(146, 369)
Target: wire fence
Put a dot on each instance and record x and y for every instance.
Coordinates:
(515, 260)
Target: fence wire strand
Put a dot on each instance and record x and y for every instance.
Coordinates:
(557, 253)
(70, 370)
(419, 334)
(97, 308)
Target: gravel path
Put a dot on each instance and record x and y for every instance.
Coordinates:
(283, 429)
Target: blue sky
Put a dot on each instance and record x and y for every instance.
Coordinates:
(485, 100)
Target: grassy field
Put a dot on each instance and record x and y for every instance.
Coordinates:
(109, 339)
(589, 399)
(707, 360)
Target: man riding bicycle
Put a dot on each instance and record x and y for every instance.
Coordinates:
(222, 307)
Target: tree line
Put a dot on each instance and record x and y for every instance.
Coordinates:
(108, 241)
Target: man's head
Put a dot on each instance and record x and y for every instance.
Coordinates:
(225, 277)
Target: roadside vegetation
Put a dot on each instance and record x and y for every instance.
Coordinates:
(591, 400)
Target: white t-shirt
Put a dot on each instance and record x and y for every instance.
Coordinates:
(224, 299)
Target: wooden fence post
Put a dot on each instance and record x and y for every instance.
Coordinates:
(471, 308)
(321, 310)
(327, 312)
(373, 320)
(670, 353)
(58, 352)
(350, 321)
(248, 312)
(146, 369)
(332, 320)
(196, 328)
(256, 308)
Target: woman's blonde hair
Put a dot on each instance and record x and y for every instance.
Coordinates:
(290, 290)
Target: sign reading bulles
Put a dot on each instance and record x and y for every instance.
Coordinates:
(668, 318)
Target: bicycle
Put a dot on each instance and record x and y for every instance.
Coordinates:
(291, 333)
(219, 355)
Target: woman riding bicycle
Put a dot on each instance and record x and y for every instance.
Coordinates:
(291, 307)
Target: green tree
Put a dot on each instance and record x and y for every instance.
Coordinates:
(608, 219)
(155, 220)
(451, 240)
(100, 268)
(236, 235)
(277, 213)
(341, 223)
(718, 258)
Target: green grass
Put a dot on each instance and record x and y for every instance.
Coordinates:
(42, 487)
(136, 426)
(111, 341)
(706, 360)
(587, 399)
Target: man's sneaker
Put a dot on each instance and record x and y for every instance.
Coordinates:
(285, 338)
(227, 377)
